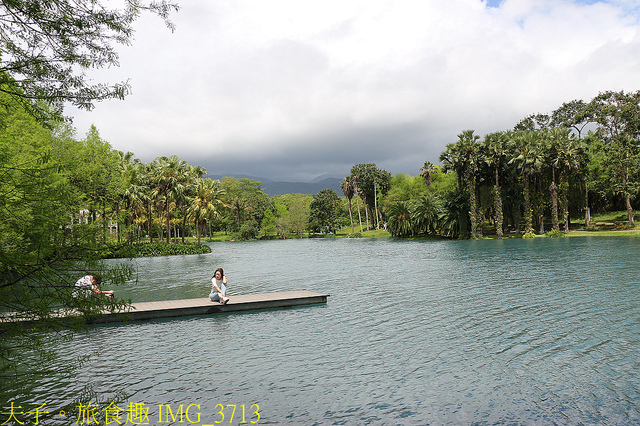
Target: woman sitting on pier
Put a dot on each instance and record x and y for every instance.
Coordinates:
(219, 287)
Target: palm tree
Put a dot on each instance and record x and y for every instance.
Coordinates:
(427, 211)
(149, 201)
(193, 174)
(134, 194)
(126, 167)
(355, 192)
(470, 159)
(570, 161)
(528, 158)
(206, 204)
(400, 223)
(426, 171)
(565, 155)
(552, 142)
(462, 158)
(455, 206)
(171, 179)
(494, 150)
(457, 219)
(452, 160)
(347, 188)
(239, 205)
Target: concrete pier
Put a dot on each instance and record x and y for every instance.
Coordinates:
(204, 306)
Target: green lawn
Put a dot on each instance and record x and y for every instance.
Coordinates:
(619, 217)
(604, 224)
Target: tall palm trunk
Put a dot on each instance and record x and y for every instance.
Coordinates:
(479, 215)
(375, 202)
(554, 200)
(498, 207)
(565, 200)
(528, 214)
(541, 206)
(472, 201)
(351, 217)
(150, 222)
(184, 225)
(168, 226)
(366, 211)
(359, 215)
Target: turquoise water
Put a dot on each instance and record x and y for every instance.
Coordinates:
(543, 331)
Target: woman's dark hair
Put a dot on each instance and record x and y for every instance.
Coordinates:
(221, 273)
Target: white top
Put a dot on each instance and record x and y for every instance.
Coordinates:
(83, 283)
(219, 284)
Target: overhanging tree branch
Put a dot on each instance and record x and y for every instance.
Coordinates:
(46, 47)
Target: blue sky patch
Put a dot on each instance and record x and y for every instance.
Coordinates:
(496, 3)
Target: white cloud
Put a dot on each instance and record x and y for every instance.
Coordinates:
(295, 89)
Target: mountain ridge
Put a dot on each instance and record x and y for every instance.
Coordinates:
(272, 187)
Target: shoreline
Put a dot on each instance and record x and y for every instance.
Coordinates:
(573, 233)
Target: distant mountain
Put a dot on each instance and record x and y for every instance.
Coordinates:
(322, 178)
(272, 188)
(259, 179)
(280, 188)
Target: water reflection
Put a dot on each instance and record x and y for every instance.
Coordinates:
(543, 331)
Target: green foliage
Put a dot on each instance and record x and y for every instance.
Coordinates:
(529, 234)
(455, 217)
(427, 213)
(206, 204)
(282, 219)
(45, 245)
(400, 222)
(55, 193)
(370, 183)
(404, 187)
(298, 217)
(421, 216)
(246, 201)
(292, 212)
(269, 222)
(324, 209)
(555, 233)
(143, 249)
(248, 230)
(33, 194)
(441, 182)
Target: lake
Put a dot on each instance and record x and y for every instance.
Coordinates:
(543, 331)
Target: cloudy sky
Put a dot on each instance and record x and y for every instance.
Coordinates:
(290, 89)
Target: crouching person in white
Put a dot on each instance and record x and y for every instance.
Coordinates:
(219, 287)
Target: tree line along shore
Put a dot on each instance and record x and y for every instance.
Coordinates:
(547, 175)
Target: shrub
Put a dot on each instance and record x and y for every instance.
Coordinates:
(554, 233)
(248, 231)
(158, 249)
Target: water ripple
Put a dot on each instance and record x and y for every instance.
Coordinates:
(444, 332)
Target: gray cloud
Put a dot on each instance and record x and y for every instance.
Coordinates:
(292, 90)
